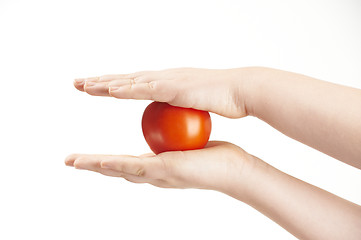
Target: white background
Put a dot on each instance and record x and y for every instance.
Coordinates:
(44, 45)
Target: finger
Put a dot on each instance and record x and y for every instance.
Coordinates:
(141, 91)
(98, 86)
(69, 160)
(128, 81)
(88, 162)
(102, 88)
(112, 77)
(82, 161)
(160, 91)
(93, 163)
(79, 84)
(82, 83)
(96, 89)
(149, 167)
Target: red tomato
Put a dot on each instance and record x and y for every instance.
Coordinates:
(169, 128)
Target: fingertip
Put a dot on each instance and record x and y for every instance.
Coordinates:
(69, 160)
(79, 85)
(79, 81)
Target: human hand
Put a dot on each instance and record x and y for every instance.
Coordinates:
(216, 167)
(219, 91)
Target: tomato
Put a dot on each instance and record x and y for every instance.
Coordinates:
(170, 128)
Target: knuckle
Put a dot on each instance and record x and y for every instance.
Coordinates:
(151, 85)
(140, 172)
(132, 82)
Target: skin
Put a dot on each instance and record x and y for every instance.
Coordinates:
(320, 114)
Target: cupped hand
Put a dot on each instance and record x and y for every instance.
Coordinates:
(219, 91)
(215, 167)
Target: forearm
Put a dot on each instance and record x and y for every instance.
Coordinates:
(304, 210)
(323, 115)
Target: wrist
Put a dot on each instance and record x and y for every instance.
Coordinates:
(250, 87)
(245, 172)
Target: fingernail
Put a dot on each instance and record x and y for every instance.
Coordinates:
(79, 80)
(111, 89)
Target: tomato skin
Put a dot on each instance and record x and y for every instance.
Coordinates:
(170, 128)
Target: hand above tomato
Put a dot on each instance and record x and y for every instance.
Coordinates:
(217, 91)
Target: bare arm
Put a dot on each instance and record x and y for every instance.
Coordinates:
(323, 115)
(304, 210)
